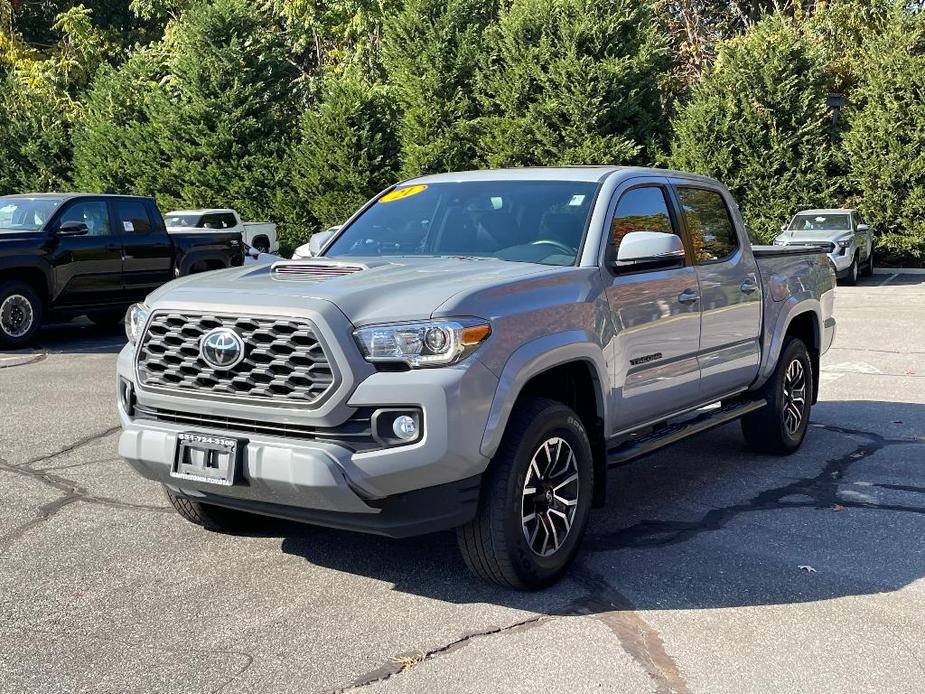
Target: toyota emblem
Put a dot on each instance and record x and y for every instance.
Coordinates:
(222, 348)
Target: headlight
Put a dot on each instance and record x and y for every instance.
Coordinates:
(135, 319)
(843, 243)
(425, 343)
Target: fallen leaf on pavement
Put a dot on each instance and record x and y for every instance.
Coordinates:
(839, 507)
(807, 568)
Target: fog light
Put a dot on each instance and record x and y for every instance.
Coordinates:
(405, 428)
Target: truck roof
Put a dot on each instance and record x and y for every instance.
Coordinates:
(70, 196)
(209, 210)
(828, 210)
(556, 173)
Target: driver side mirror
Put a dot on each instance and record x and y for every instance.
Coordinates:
(318, 240)
(783, 227)
(863, 227)
(73, 229)
(649, 250)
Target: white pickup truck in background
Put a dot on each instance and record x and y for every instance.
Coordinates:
(258, 235)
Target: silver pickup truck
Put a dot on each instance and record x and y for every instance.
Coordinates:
(472, 351)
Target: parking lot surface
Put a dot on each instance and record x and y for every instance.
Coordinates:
(711, 569)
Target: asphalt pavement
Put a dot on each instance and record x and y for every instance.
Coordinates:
(711, 569)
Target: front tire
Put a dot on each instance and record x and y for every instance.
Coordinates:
(215, 518)
(780, 427)
(535, 501)
(869, 265)
(851, 278)
(20, 314)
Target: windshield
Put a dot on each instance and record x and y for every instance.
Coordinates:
(820, 222)
(181, 220)
(26, 214)
(524, 221)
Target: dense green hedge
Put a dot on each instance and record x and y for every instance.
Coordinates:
(298, 111)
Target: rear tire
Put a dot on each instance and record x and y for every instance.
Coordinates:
(211, 517)
(535, 501)
(261, 244)
(21, 312)
(780, 427)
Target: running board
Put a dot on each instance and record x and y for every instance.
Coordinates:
(672, 433)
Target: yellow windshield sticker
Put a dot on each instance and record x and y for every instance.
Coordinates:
(402, 193)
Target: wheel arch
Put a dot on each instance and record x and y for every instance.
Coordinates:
(34, 275)
(566, 367)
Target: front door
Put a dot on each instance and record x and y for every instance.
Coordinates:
(88, 268)
(656, 317)
(730, 328)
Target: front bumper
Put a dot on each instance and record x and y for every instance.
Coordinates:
(396, 491)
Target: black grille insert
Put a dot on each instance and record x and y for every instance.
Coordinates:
(284, 359)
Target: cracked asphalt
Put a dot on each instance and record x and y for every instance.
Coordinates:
(710, 569)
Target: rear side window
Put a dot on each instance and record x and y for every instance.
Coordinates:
(134, 217)
(709, 226)
(640, 209)
(221, 220)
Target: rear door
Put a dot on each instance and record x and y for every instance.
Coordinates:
(730, 292)
(149, 253)
(655, 313)
(87, 268)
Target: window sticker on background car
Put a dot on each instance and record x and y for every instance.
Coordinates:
(128, 226)
(402, 193)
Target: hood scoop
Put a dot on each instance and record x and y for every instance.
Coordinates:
(313, 270)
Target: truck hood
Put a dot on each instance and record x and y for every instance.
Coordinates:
(804, 236)
(384, 290)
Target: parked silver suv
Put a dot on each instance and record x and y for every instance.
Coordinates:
(848, 241)
(471, 351)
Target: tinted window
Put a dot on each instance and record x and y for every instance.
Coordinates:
(640, 209)
(524, 221)
(94, 214)
(709, 226)
(134, 217)
(222, 220)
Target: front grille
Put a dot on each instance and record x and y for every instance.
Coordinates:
(355, 434)
(284, 361)
(824, 246)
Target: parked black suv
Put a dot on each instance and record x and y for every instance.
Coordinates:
(71, 254)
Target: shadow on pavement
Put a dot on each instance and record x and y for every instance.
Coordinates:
(705, 524)
(77, 336)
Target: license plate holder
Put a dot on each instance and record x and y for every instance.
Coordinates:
(208, 458)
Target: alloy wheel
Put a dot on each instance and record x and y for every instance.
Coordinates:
(550, 496)
(794, 396)
(16, 315)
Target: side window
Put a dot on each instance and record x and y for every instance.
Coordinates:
(134, 217)
(228, 220)
(640, 209)
(712, 233)
(95, 214)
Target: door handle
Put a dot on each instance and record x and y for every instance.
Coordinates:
(748, 286)
(688, 296)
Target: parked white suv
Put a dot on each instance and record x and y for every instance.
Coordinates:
(844, 236)
(259, 235)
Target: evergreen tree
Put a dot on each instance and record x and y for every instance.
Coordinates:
(224, 118)
(433, 50)
(348, 151)
(114, 142)
(885, 141)
(758, 122)
(573, 82)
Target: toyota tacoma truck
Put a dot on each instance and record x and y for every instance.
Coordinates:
(261, 236)
(471, 351)
(71, 254)
(842, 234)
